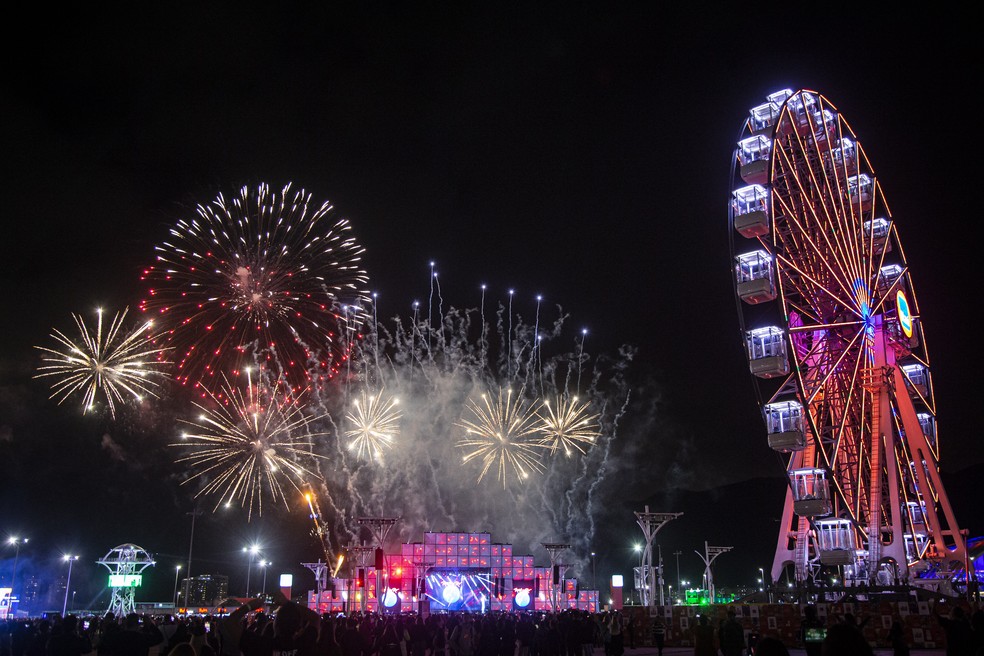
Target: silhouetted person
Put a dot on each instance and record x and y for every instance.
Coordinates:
(845, 640)
(704, 638)
(135, 638)
(959, 636)
(809, 628)
(896, 637)
(731, 635)
(659, 635)
(770, 646)
(66, 640)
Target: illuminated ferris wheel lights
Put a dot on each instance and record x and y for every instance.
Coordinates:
(843, 361)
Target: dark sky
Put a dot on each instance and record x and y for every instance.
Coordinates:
(579, 151)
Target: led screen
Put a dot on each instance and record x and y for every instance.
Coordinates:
(125, 580)
(458, 590)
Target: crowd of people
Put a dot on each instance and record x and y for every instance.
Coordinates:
(290, 629)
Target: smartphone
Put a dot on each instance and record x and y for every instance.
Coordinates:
(815, 634)
(85, 625)
(208, 627)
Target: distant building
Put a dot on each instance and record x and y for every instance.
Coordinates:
(31, 593)
(56, 593)
(203, 590)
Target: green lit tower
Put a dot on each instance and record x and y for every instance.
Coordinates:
(126, 564)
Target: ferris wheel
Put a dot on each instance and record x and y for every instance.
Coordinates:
(837, 350)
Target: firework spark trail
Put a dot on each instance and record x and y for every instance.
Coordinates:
(509, 336)
(115, 363)
(249, 444)
(580, 356)
(482, 342)
(375, 327)
(255, 276)
(536, 339)
(440, 308)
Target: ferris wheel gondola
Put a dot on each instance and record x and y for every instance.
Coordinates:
(837, 350)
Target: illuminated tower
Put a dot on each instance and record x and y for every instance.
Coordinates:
(125, 564)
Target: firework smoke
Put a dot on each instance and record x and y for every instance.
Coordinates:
(439, 368)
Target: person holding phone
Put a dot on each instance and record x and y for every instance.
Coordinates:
(66, 640)
(812, 632)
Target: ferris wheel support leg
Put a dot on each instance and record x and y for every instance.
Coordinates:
(896, 549)
(879, 381)
(928, 479)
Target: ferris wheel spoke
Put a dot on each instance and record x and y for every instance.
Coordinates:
(802, 213)
(831, 365)
(809, 287)
(809, 254)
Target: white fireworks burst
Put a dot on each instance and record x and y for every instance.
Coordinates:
(113, 361)
(375, 422)
(502, 434)
(568, 425)
(246, 445)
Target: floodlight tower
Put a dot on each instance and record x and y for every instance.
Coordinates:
(554, 549)
(379, 527)
(125, 564)
(710, 553)
(420, 570)
(363, 554)
(651, 523)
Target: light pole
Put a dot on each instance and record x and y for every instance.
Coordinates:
(191, 543)
(73, 601)
(762, 579)
(177, 570)
(16, 543)
(659, 549)
(264, 564)
(651, 523)
(68, 583)
(252, 550)
(594, 581)
(677, 554)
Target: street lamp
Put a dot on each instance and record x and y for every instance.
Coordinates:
(191, 543)
(594, 581)
(252, 550)
(264, 564)
(16, 543)
(177, 569)
(677, 554)
(73, 600)
(68, 583)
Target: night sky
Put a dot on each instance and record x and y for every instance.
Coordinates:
(580, 152)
